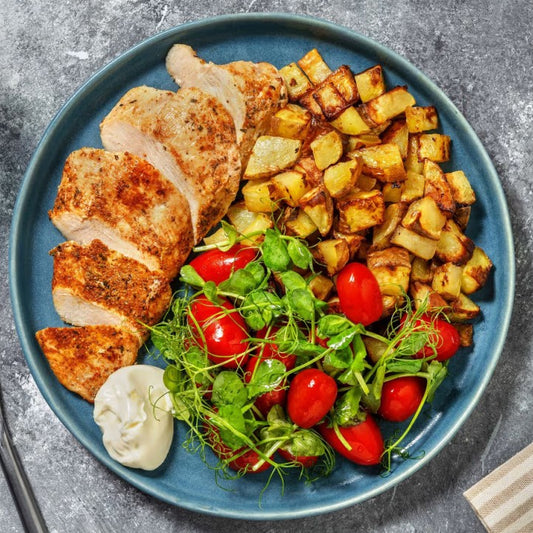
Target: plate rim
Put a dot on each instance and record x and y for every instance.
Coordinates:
(302, 22)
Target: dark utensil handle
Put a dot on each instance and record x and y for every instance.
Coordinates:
(27, 505)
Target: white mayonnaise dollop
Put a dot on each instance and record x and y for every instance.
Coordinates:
(135, 433)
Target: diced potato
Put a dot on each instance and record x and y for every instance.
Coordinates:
(313, 175)
(333, 253)
(327, 149)
(366, 183)
(317, 204)
(390, 304)
(308, 101)
(411, 161)
(321, 286)
(383, 162)
(217, 237)
(292, 122)
(360, 141)
(289, 186)
(330, 100)
(340, 179)
(387, 106)
(392, 191)
(412, 187)
(271, 155)
(257, 197)
(463, 309)
(437, 187)
(350, 122)
(246, 222)
(461, 189)
(397, 133)
(454, 246)
(392, 217)
(334, 305)
(421, 118)
(423, 294)
(353, 240)
(315, 68)
(447, 281)
(374, 348)
(462, 216)
(299, 224)
(344, 82)
(370, 83)
(296, 81)
(421, 271)
(418, 245)
(424, 217)
(360, 210)
(391, 268)
(434, 146)
(466, 334)
(476, 271)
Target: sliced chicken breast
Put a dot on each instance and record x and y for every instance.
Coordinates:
(83, 358)
(127, 204)
(93, 285)
(251, 92)
(189, 137)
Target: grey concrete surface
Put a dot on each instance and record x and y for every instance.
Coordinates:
(480, 53)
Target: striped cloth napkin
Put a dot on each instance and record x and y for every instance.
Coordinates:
(503, 500)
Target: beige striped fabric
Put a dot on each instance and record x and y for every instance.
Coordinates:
(503, 500)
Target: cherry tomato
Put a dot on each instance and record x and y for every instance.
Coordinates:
(364, 438)
(311, 395)
(306, 461)
(225, 334)
(218, 266)
(270, 350)
(401, 397)
(446, 339)
(359, 294)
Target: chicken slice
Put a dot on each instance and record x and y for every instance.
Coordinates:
(189, 137)
(251, 92)
(93, 285)
(127, 204)
(83, 358)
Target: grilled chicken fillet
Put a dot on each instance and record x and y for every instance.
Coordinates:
(189, 137)
(93, 285)
(83, 358)
(127, 204)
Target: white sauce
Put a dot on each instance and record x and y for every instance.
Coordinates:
(135, 433)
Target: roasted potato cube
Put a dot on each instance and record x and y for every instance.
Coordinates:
(454, 246)
(392, 217)
(383, 161)
(333, 253)
(462, 216)
(353, 240)
(299, 224)
(447, 281)
(317, 204)
(423, 294)
(370, 83)
(424, 217)
(476, 271)
(289, 186)
(246, 222)
(296, 81)
(390, 304)
(434, 146)
(308, 101)
(392, 192)
(344, 81)
(313, 175)
(374, 348)
(421, 270)
(257, 197)
(340, 179)
(411, 161)
(386, 106)
(462, 191)
(217, 237)
(330, 100)
(271, 155)
(466, 334)
(366, 183)
(391, 268)
(415, 243)
(413, 187)
(327, 149)
(334, 305)
(463, 309)
(436, 186)
(321, 286)
(350, 122)
(397, 133)
(421, 118)
(360, 210)
(315, 68)
(292, 122)
(360, 141)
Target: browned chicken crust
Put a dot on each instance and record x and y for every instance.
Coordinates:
(83, 358)
(126, 203)
(94, 285)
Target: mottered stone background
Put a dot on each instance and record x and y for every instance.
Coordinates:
(480, 53)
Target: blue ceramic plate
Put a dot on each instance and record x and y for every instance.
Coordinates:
(183, 480)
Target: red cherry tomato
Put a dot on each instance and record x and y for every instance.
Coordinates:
(364, 438)
(307, 461)
(359, 294)
(401, 397)
(270, 350)
(311, 395)
(225, 334)
(218, 266)
(446, 339)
